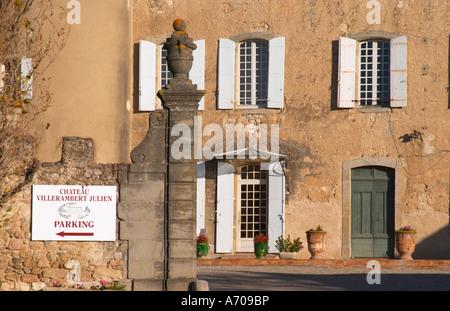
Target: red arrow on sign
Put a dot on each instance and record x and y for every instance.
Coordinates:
(63, 234)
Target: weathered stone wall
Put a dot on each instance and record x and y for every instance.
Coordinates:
(35, 265)
(141, 208)
(316, 136)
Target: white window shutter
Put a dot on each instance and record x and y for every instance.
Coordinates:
(399, 72)
(226, 72)
(276, 203)
(346, 73)
(197, 73)
(224, 208)
(26, 71)
(275, 88)
(147, 76)
(200, 196)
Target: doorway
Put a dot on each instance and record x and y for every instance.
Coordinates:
(372, 211)
(251, 206)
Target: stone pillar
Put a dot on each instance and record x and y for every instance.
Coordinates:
(180, 98)
(157, 206)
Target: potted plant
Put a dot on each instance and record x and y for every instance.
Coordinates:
(405, 243)
(112, 286)
(261, 246)
(202, 245)
(316, 242)
(288, 248)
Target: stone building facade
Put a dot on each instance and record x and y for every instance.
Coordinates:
(329, 130)
(359, 162)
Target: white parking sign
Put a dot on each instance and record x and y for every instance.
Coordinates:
(73, 213)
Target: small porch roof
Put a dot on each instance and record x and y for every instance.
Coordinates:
(249, 154)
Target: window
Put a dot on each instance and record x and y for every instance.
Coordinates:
(166, 75)
(154, 73)
(251, 73)
(372, 72)
(16, 77)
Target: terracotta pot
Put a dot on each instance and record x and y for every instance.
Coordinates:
(405, 244)
(316, 243)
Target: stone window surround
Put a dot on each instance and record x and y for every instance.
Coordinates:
(239, 38)
(374, 73)
(252, 73)
(250, 36)
(366, 36)
(373, 35)
(347, 167)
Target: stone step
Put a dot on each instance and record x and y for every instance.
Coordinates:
(244, 256)
(351, 263)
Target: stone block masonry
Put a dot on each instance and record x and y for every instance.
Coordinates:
(141, 209)
(27, 265)
(141, 214)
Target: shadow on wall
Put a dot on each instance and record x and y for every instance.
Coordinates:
(436, 246)
(136, 78)
(334, 74)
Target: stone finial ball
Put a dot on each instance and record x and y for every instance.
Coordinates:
(179, 24)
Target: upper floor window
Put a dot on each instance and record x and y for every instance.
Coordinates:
(16, 78)
(372, 72)
(154, 73)
(165, 75)
(251, 73)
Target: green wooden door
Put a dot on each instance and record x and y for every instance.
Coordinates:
(372, 212)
